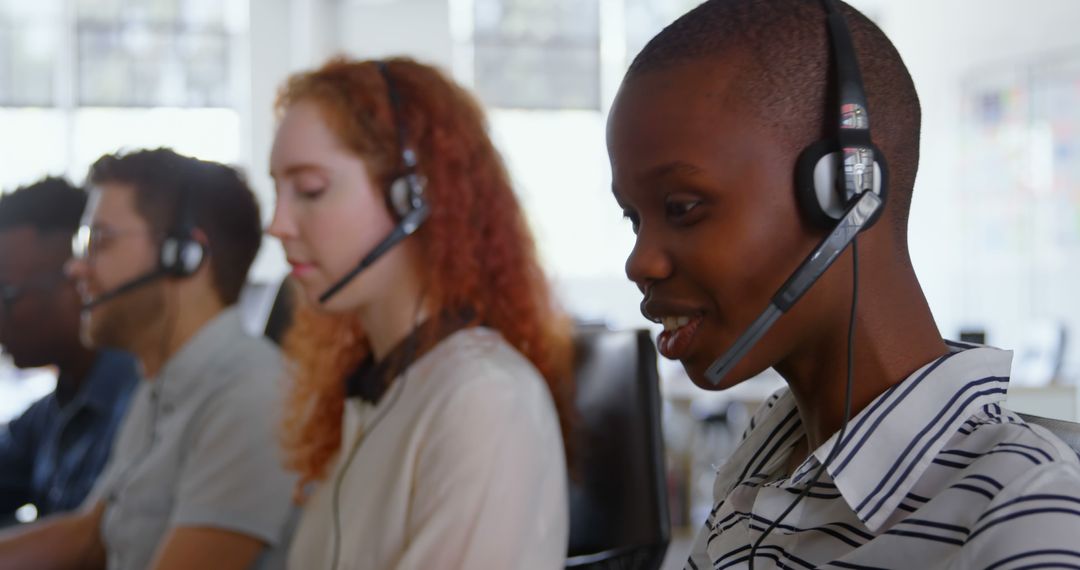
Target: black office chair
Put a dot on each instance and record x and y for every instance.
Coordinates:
(1069, 432)
(280, 316)
(618, 506)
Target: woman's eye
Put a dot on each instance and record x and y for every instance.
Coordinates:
(635, 222)
(310, 185)
(311, 193)
(679, 209)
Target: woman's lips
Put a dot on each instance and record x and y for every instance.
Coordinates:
(674, 342)
(300, 270)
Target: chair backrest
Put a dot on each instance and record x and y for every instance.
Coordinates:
(266, 308)
(618, 503)
(280, 316)
(1069, 432)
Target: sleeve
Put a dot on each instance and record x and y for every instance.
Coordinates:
(490, 489)
(1033, 523)
(232, 477)
(19, 440)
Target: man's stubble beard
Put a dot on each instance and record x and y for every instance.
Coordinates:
(124, 322)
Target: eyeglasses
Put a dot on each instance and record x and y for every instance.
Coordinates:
(89, 241)
(11, 293)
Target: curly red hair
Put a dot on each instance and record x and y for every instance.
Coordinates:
(478, 252)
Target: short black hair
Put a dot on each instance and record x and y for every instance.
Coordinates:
(50, 205)
(787, 76)
(220, 201)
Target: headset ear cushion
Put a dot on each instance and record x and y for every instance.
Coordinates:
(806, 191)
(817, 190)
(191, 256)
(169, 254)
(181, 256)
(399, 197)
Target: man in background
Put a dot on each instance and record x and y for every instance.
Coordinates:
(51, 455)
(195, 480)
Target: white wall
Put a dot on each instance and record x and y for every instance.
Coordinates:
(943, 43)
(418, 28)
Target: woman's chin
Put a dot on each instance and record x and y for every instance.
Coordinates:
(696, 370)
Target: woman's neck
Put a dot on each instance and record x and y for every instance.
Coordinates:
(391, 319)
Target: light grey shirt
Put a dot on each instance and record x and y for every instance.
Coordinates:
(198, 448)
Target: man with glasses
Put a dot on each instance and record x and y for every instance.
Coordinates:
(51, 455)
(195, 480)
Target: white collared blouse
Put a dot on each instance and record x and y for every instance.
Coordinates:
(934, 473)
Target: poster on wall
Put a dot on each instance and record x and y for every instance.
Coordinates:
(1020, 160)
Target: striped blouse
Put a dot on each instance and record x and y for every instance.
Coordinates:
(934, 473)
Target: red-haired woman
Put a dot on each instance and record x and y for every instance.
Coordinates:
(429, 384)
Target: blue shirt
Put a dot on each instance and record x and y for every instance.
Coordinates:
(51, 455)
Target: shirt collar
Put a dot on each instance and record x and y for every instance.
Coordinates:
(371, 378)
(891, 442)
(209, 344)
(111, 377)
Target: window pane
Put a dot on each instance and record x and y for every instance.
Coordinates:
(645, 18)
(28, 59)
(155, 65)
(23, 10)
(154, 53)
(154, 10)
(538, 54)
(102, 67)
(207, 73)
(203, 12)
(99, 10)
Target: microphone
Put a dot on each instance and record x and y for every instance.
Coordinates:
(124, 288)
(406, 227)
(857, 216)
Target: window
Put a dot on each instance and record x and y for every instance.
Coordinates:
(81, 78)
(162, 53)
(29, 52)
(537, 54)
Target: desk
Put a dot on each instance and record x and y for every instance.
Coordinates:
(1061, 402)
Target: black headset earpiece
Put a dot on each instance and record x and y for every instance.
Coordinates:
(404, 195)
(830, 173)
(840, 183)
(406, 192)
(819, 189)
(181, 255)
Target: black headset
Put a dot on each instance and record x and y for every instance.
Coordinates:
(841, 183)
(406, 201)
(179, 255)
(822, 193)
(404, 195)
